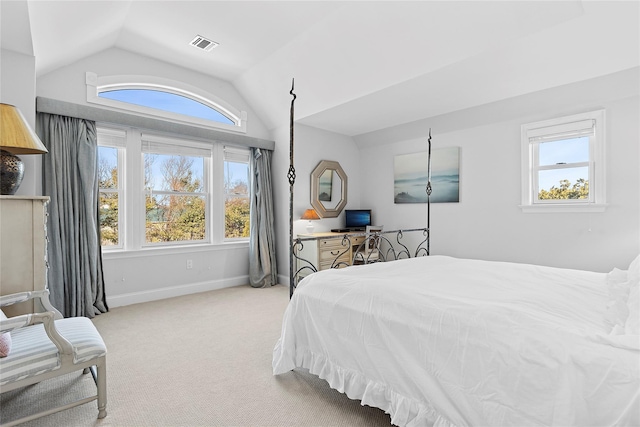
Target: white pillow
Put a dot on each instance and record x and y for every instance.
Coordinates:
(616, 310)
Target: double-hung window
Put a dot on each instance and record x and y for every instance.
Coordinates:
(164, 191)
(176, 183)
(563, 164)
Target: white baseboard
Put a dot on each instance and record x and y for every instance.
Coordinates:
(173, 291)
(283, 280)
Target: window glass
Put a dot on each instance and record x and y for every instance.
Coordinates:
(164, 172)
(175, 208)
(563, 169)
(567, 183)
(109, 196)
(108, 167)
(564, 151)
(237, 204)
(175, 218)
(166, 101)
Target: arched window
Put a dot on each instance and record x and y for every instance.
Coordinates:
(163, 98)
(166, 101)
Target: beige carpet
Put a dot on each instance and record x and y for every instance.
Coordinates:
(197, 360)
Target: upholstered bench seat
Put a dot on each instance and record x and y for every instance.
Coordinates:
(33, 353)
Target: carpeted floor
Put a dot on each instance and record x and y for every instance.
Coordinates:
(196, 360)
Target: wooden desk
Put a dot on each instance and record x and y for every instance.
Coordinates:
(329, 249)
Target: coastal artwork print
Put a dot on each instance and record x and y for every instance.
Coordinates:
(410, 176)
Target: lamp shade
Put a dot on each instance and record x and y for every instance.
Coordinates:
(16, 136)
(310, 214)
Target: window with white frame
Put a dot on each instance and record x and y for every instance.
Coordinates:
(177, 191)
(176, 182)
(563, 163)
(111, 151)
(166, 99)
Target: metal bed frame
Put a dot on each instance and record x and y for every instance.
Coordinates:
(381, 240)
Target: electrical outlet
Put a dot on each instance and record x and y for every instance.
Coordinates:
(189, 264)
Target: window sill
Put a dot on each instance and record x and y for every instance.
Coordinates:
(151, 251)
(561, 208)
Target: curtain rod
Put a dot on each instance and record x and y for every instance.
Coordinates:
(69, 109)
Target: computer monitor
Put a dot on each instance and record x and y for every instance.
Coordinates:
(357, 218)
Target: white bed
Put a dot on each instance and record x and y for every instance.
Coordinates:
(451, 342)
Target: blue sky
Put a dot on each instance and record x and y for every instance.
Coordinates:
(167, 102)
(566, 151)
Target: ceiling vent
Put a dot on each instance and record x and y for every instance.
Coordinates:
(204, 44)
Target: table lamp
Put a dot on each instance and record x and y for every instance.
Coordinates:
(311, 215)
(16, 137)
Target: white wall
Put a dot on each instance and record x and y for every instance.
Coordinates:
(152, 275)
(487, 222)
(148, 275)
(18, 87)
(311, 146)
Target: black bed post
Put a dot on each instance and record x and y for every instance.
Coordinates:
(291, 175)
(429, 195)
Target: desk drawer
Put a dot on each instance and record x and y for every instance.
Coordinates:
(330, 253)
(331, 243)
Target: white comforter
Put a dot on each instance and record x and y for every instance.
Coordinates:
(444, 341)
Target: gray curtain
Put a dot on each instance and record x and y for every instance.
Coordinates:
(70, 179)
(262, 246)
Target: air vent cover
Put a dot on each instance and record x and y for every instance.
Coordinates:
(203, 43)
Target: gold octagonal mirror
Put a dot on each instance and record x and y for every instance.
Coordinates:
(328, 189)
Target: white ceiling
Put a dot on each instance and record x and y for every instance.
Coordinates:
(359, 66)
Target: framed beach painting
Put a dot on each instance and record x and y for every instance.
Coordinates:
(410, 176)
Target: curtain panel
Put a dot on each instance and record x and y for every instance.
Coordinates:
(262, 250)
(70, 179)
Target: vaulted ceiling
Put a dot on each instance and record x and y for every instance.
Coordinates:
(359, 66)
